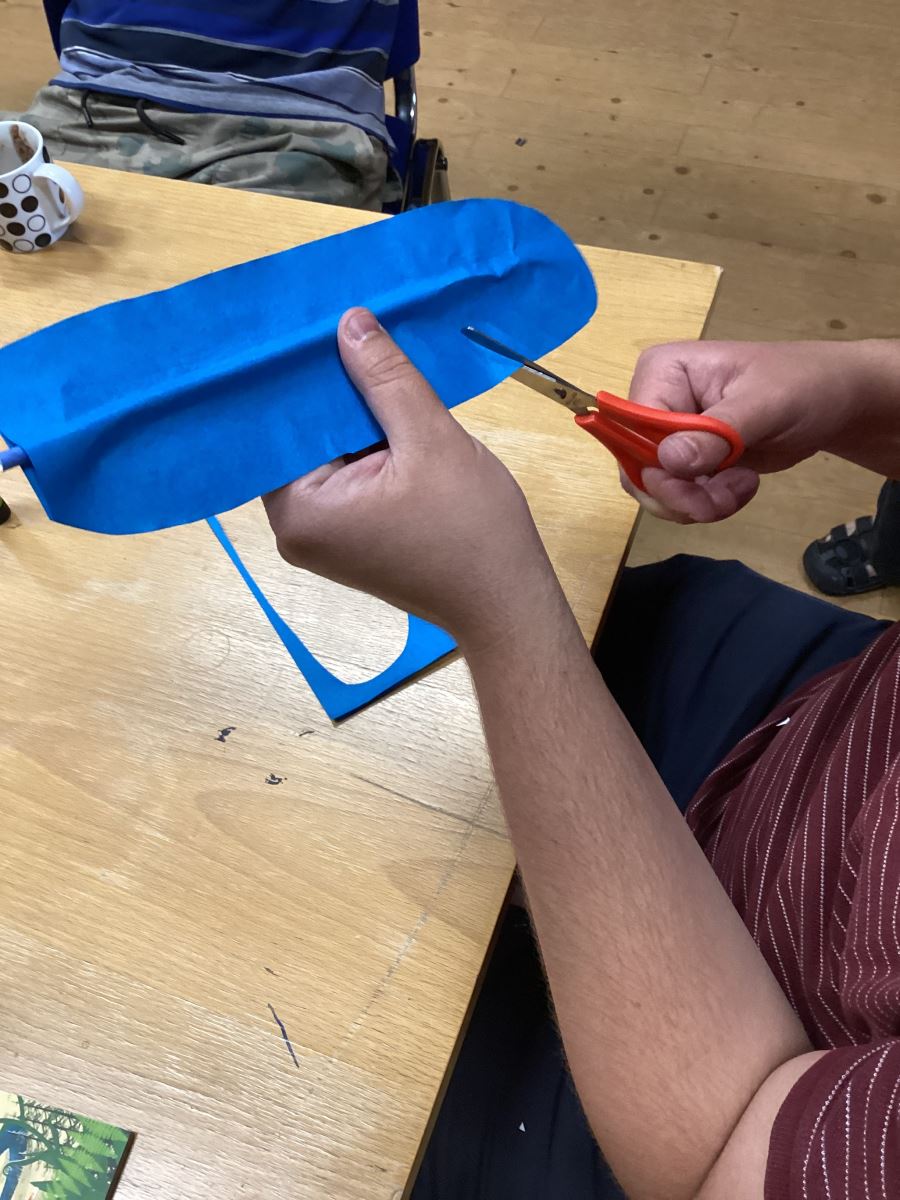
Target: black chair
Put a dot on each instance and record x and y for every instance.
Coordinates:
(420, 162)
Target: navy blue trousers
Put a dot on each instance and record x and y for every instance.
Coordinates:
(696, 653)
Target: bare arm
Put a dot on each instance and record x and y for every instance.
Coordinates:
(670, 1017)
(681, 1043)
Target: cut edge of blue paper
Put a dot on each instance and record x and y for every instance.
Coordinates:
(425, 645)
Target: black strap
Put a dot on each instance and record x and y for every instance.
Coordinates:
(164, 135)
(139, 104)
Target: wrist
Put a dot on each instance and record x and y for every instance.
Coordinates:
(506, 626)
(879, 372)
(870, 431)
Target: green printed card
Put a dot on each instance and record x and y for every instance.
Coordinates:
(49, 1154)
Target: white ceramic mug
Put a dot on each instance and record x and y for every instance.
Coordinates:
(38, 200)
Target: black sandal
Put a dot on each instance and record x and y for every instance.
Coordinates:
(840, 563)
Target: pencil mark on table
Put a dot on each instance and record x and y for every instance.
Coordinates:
(225, 733)
(470, 823)
(274, 779)
(284, 1034)
(269, 971)
(422, 919)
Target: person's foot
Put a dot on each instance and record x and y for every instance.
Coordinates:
(840, 563)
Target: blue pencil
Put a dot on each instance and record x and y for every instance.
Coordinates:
(15, 456)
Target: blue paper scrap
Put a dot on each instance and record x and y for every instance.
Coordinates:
(425, 644)
(188, 402)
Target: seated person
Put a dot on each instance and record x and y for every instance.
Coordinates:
(279, 96)
(726, 985)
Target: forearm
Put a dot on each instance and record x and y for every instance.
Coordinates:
(870, 435)
(670, 1017)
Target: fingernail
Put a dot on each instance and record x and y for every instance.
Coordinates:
(360, 325)
(684, 449)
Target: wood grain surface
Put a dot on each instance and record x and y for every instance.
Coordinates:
(192, 852)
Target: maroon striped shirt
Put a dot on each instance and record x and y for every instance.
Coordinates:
(802, 826)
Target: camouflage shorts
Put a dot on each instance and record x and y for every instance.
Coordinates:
(324, 161)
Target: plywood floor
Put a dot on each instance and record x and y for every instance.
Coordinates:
(766, 140)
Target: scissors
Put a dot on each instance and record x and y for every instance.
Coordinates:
(632, 432)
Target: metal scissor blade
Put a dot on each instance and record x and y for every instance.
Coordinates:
(572, 398)
(535, 376)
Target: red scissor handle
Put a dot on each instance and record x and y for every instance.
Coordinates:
(632, 432)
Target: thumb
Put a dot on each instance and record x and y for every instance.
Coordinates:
(760, 420)
(675, 378)
(687, 455)
(693, 453)
(401, 399)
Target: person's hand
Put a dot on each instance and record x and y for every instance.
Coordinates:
(434, 523)
(787, 400)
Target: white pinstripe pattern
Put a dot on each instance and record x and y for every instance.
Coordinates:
(808, 724)
(824, 1169)
(865, 1129)
(802, 824)
(890, 1115)
(822, 1111)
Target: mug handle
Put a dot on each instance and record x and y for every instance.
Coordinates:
(74, 197)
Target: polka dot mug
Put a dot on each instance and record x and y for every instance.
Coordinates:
(38, 200)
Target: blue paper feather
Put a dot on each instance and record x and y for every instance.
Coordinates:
(185, 403)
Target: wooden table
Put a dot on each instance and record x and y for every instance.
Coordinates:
(168, 884)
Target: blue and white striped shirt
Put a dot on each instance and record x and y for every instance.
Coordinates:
(314, 59)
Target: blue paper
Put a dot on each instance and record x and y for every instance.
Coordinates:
(425, 644)
(188, 402)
